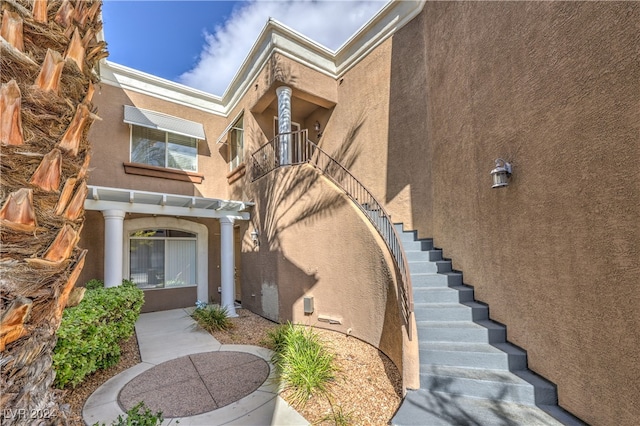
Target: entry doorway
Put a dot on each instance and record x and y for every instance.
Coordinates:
(296, 141)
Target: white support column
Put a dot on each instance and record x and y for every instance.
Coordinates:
(227, 266)
(284, 123)
(113, 243)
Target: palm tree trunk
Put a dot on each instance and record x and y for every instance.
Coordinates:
(49, 54)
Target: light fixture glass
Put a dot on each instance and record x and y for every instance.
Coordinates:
(500, 175)
(254, 237)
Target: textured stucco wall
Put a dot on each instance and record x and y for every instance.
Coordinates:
(553, 87)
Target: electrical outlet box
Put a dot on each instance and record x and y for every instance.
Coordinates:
(308, 305)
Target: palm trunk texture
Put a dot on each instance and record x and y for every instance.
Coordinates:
(48, 59)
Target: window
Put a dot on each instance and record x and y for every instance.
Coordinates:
(163, 149)
(162, 258)
(236, 144)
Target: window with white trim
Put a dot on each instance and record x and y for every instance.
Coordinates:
(236, 144)
(163, 149)
(162, 258)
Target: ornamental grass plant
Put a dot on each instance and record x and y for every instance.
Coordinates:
(304, 365)
(212, 318)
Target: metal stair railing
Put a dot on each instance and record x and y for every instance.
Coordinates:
(267, 159)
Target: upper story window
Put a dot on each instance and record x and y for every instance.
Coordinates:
(162, 140)
(163, 149)
(236, 143)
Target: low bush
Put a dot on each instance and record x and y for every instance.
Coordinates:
(139, 415)
(93, 284)
(212, 318)
(303, 363)
(90, 333)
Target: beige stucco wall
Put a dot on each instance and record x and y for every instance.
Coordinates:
(553, 88)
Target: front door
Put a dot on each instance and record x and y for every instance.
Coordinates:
(296, 143)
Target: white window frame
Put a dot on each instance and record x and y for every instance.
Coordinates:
(239, 158)
(166, 222)
(166, 149)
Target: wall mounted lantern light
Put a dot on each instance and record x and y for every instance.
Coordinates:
(254, 237)
(317, 128)
(500, 175)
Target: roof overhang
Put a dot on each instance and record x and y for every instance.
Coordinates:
(102, 198)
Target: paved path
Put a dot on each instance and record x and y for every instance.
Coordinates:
(168, 335)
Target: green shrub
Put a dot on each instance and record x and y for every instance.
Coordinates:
(304, 365)
(93, 284)
(139, 415)
(212, 318)
(90, 333)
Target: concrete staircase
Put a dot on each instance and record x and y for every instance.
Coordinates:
(469, 374)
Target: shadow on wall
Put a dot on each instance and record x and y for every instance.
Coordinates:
(283, 200)
(278, 70)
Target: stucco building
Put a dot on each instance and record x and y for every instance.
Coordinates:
(416, 106)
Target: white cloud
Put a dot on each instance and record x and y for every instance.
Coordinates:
(329, 23)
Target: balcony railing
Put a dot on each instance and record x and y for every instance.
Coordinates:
(270, 157)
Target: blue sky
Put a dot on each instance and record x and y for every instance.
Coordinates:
(202, 43)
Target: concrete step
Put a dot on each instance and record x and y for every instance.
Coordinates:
(468, 311)
(408, 236)
(483, 331)
(418, 245)
(422, 255)
(452, 294)
(499, 356)
(421, 267)
(432, 279)
(497, 385)
(421, 407)
(400, 228)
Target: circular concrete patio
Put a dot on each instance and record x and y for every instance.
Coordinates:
(196, 383)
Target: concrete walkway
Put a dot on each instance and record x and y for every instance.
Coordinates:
(168, 335)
